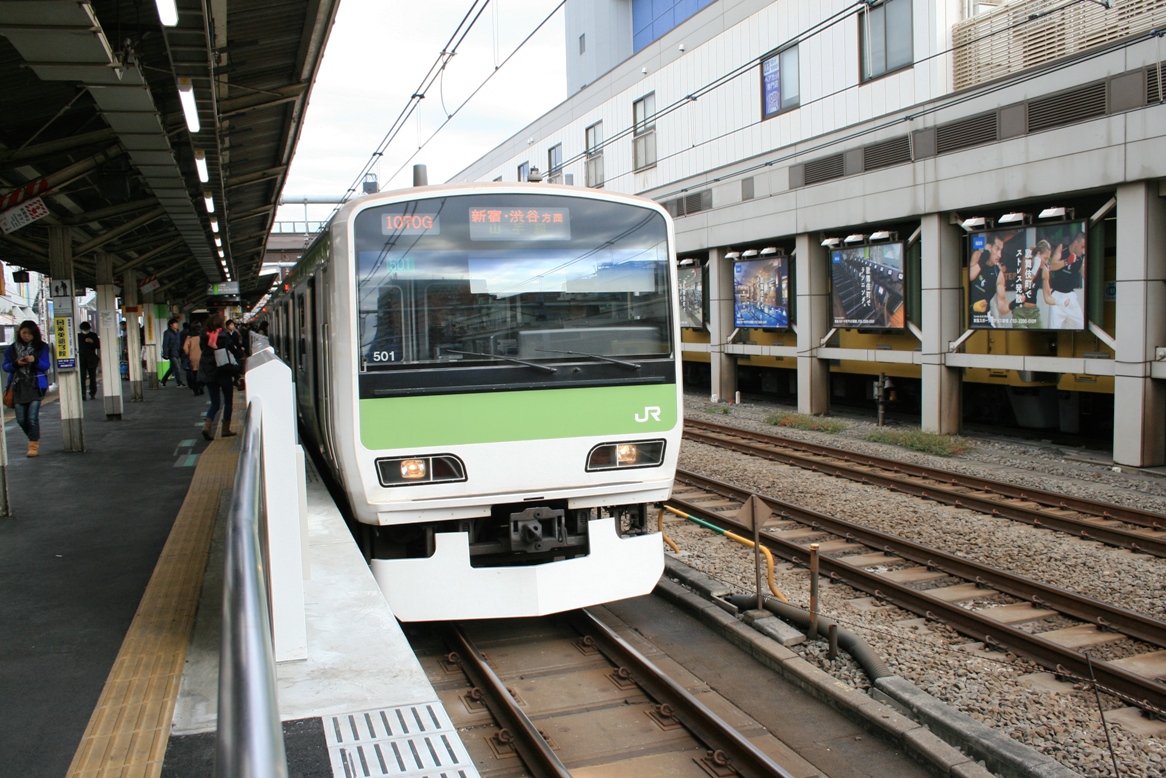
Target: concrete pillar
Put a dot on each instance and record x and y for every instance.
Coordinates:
(723, 366)
(108, 331)
(151, 348)
(64, 336)
(942, 266)
(1139, 402)
(133, 307)
(812, 270)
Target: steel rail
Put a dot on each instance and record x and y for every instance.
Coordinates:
(532, 747)
(734, 750)
(1104, 510)
(1143, 692)
(1128, 539)
(250, 736)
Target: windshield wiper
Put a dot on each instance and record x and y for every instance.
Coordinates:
(535, 365)
(632, 365)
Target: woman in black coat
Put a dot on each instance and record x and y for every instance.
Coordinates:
(217, 371)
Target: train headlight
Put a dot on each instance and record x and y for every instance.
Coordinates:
(410, 471)
(619, 456)
(414, 469)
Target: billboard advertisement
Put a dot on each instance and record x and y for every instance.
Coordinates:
(761, 293)
(690, 279)
(1030, 277)
(867, 288)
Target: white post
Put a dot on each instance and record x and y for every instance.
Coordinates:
(269, 383)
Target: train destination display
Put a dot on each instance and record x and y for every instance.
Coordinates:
(868, 287)
(1032, 277)
(761, 293)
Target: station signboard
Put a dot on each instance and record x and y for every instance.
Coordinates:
(690, 279)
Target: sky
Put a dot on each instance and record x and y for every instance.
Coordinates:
(377, 56)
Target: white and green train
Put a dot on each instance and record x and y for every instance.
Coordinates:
(492, 373)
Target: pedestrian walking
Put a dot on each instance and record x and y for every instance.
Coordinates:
(27, 363)
(89, 350)
(171, 351)
(217, 372)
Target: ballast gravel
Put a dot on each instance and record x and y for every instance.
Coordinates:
(1061, 720)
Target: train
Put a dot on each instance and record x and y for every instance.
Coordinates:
(491, 375)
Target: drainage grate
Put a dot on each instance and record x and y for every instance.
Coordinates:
(412, 740)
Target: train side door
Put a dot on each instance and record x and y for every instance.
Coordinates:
(326, 351)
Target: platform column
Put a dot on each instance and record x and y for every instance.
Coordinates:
(1139, 401)
(723, 367)
(133, 309)
(150, 345)
(813, 316)
(64, 336)
(107, 330)
(942, 388)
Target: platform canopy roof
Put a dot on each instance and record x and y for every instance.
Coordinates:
(92, 123)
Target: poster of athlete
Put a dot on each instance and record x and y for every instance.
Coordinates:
(1030, 278)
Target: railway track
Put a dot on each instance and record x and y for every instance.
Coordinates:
(1053, 627)
(1115, 525)
(549, 696)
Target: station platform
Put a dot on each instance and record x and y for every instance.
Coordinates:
(111, 565)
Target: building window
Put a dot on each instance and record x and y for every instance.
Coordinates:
(884, 33)
(524, 171)
(555, 164)
(583, 43)
(779, 83)
(594, 146)
(644, 133)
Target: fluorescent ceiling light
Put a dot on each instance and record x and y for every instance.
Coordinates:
(749, 253)
(167, 12)
(768, 250)
(210, 202)
(831, 242)
(214, 224)
(221, 254)
(855, 238)
(975, 221)
(880, 235)
(189, 108)
(733, 255)
(218, 241)
(1010, 218)
(200, 165)
(1049, 213)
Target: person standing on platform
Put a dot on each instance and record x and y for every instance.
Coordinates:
(27, 363)
(89, 350)
(192, 349)
(218, 374)
(170, 351)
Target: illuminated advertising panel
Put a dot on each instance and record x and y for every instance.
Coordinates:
(761, 293)
(691, 282)
(1031, 277)
(868, 287)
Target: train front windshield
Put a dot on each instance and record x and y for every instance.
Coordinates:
(538, 278)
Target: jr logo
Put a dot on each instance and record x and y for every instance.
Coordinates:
(650, 412)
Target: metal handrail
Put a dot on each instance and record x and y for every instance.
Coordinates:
(250, 736)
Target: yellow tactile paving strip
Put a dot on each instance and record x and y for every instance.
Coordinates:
(129, 729)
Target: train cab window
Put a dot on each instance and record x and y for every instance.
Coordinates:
(511, 280)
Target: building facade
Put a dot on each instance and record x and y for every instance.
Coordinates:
(965, 197)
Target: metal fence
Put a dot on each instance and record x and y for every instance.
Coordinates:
(1020, 35)
(250, 736)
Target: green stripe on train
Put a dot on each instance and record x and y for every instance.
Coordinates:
(492, 417)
